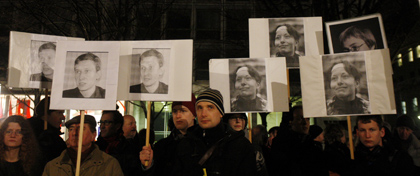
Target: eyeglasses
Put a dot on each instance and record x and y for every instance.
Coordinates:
(10, 132)
(105, 122)
(353, 48)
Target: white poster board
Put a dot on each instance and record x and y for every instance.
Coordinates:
(304, 37)
(270, 87)
(374, 88)
(356, 34)
(32, 58)
(163, 74)
(88, 80)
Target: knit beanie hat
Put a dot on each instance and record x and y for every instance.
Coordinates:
(189, 104)
(315, 131)
(213, 96)
(405, 121)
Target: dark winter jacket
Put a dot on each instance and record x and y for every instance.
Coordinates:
(296, 154)
(383, 161)
(337, 156)
(126, 153)
(234, 154)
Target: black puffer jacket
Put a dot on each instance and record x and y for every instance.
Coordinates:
(234, 154)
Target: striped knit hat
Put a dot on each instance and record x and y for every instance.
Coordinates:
(212, 96)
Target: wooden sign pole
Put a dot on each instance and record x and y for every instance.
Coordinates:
(46, 110)
(79, 146)
(350, 137)
(149, 104)
(250, 126)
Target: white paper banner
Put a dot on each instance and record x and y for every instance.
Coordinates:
(281, 37)
(347, 84)
(32, 58)
(88, 80)
(251, 85)
(163, 74)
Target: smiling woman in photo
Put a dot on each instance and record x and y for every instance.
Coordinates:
(247, 83)
(344, 80)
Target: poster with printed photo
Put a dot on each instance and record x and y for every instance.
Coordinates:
(90, 75)
(250, 84)
(286, 37)
(356, 34)
(347, 84)
(158, 70)
(32, 59)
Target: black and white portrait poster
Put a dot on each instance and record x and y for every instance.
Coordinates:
(158, 70)
(356, 34)
(286, 37)
(345, 84)
(251, 84)
(89, 76)
(32, 59)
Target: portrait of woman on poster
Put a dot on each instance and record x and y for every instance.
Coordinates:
(247, 83)
(354, 39)
(343, 78)
(18, 148)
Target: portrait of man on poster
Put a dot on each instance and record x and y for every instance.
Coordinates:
(87, 74)
(151, 64)
(46, 58)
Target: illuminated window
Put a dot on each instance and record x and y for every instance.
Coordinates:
(410, 55)
(415, 104)
(403, 106)
(418, 51)
(400, 61)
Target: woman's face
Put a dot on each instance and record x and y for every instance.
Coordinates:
(285, 42)
(13, 135)
(246, 84)
(237, 123)
(353, 44)
(342, 83)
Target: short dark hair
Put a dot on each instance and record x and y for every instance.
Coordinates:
(290, 29)
(350, 68)
(368, 118)
(273, 129)
(354, 31)
(152, 52)
(48, 45)
(235, 115)
(333, 133)
(116, 116)
(89, 56)
(251, 71)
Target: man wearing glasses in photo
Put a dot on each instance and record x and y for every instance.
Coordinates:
(355, 39)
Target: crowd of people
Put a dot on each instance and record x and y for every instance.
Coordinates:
(206, 141)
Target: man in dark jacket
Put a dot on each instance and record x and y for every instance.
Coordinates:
(373, 156)
(212, 148)
(50, 142)
(294, 151)
(113, 142)
(164, 152)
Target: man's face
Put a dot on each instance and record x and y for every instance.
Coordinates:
(208, 115)
(342, 83)
(129, 127)
(182, 117)
(13, 135)
(237, 123)
(47, 57)
(353, 44)
(300, 124)
(56, 118)
(86, 75)
(285, 42)
(370, 134)
(87, 139)
(150, 70)
(404, 132)
(108, 126)
(245, 83)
